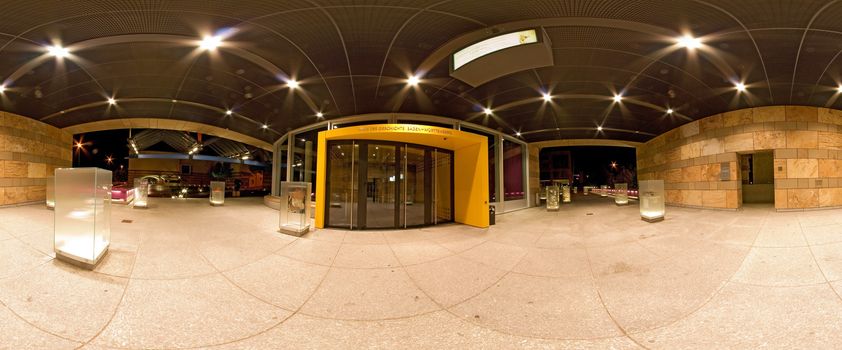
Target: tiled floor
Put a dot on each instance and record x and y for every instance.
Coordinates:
(187, 275)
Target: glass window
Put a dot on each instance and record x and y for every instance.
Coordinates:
(512, 170)
(304, 157)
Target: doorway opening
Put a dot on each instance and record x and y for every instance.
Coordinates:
(386, 185)
(757, 171)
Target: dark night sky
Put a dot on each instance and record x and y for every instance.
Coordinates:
(595, 161)
(101, 144)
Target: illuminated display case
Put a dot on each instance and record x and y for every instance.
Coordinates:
(651, 195)
(217, 192)
(552, 198)
(603, 191)
(621, 194)
(82, 215)
(565, 193)
(51, 192)
(141, 194)
(294, 211)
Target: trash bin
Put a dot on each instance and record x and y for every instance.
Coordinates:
(491, 212)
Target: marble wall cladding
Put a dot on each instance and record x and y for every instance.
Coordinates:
(806, 144)
(30, 151)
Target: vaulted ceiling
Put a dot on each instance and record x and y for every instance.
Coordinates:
(354, 56)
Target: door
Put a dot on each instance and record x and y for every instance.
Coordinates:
(342, 185)
(382, 186)
(443, 186)
(415, 187)
(377, 185)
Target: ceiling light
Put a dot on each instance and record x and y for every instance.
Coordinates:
(2, 89)
(740, 87)
(669, 111)
(413, 80)
(690, 42)
(320, 114)
(618, 98)
(839, 89)
(547, 97)
(487, 111)
(292, 84)
(229, 112)
(58, 51)
(210, 43)
(517, 134)
(598, 128)
(265, 126)
(112, 101)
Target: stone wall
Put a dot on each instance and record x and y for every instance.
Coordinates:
(29, 152)
(806, 143)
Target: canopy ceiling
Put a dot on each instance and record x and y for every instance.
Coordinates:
(354, 57)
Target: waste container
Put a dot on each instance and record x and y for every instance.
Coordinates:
(491, 211)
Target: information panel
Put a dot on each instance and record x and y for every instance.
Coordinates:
(491, 45)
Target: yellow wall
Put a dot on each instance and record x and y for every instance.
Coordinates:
(470, 167)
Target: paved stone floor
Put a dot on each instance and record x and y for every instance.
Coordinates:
(187, 275)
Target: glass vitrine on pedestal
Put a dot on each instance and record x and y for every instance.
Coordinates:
(565, 194)
(603, 191)
(141, 194)
(651, 195)
(51, 192)
(295, 208)
(217, 193)
(552, 198)
(621, 194)
(82, 215)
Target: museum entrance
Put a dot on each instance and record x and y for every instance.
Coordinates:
(387, 185)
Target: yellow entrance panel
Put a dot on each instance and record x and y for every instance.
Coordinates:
(470, 168)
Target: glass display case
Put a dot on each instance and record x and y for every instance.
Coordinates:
(552, 198)
(82, 230)
(621, 194)
(651, 195)
(217, 193)
(51, 192)
(603, 191)
(565, 193)
(141, 194)
(295, 208)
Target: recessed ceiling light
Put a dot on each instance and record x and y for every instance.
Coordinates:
(229, 112)
(112, 101)
(547, 97)
(689, 42)
(839, 89)
(487, 111)
(2, 89)
(618, 98)
(320, 114)
(740, 87)
(598, 128)
(210, 42)
(517, 134)
(58, 51)
(292, 83)
(265, 126)
(413, 80)
(174, 101)
(669, 111)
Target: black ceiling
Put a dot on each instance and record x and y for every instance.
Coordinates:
(353, 57)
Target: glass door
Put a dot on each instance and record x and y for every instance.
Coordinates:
(382, 185)
(416, 187)
(342, 185)
(375, 185)
(443, 186)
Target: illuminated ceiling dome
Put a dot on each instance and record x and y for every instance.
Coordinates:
(619, 66)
